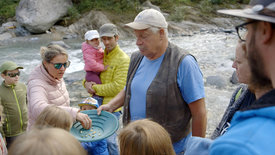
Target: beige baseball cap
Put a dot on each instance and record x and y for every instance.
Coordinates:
(148, 18)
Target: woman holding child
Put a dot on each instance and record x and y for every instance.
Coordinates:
(46, 86)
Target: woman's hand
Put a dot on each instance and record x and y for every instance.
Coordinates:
(84, 119)
(88, 86)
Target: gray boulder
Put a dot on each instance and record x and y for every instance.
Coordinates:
(5, 36)
(217, 81)
(60, 43)
(38, 16)
(93, 20)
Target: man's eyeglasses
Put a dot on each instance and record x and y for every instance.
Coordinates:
(242, 30)
(13, 74)
(59, 65)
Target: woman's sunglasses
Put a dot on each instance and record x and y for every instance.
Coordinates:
(13, 74)
(59, 65)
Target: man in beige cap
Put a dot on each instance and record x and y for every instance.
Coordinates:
(114, 78)
(251, 130)
(13, 96)
(164, 83)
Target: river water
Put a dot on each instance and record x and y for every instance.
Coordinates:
(214, 52)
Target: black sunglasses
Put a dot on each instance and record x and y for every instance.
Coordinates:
(242, 30)
(59, 65)
(13, 74)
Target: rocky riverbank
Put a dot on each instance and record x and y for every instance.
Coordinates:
(12, 33)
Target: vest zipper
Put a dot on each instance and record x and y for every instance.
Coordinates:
(19, 110)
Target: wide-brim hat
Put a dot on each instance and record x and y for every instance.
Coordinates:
(9, 66)
(89, 101)
(263, 10)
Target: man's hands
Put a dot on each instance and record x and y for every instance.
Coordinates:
(105, 107)
(88, 86)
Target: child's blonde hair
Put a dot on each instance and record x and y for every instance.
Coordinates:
(54, 116)
(53, 141)
(145, 137)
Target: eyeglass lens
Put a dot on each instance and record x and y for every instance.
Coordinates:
(13, 74)
(59, 65)
(242, 31)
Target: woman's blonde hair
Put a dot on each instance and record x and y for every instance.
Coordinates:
(54, 116)
(145, 137)
(45, 141)
(51, 51)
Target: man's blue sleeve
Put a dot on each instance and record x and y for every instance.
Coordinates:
(190, 80)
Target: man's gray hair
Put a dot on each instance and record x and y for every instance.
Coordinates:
(156, 29)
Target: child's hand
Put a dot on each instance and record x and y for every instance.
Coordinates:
(105, 67)
(88, 86)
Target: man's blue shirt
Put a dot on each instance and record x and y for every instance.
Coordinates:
(189, 79)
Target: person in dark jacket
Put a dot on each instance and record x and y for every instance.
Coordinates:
(251, 128)
(244, 95)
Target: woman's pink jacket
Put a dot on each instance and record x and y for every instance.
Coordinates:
(43, 90)
(93, 58)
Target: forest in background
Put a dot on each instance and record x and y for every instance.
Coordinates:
(127, 9)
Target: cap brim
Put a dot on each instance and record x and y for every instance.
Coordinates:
(82, 104)
(107, 35)
(91, 38)
(247, 13)
(137, 26)
(13, 68)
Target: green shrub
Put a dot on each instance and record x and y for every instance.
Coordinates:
(7, 8)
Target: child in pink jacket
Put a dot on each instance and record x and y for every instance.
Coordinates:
(93, 58)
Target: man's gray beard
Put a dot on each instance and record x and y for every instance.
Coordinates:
(259, 79)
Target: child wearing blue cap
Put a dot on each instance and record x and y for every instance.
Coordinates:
(97, 147)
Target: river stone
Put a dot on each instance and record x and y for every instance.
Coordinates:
(38, 16)
(234, 78)
(60, 43)
(5, 36)
(217, 81)
(93, 20)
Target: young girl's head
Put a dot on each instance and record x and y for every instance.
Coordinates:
(92, 38)
(145, 137)
(88, 104)
(44, 141)
(53, 116)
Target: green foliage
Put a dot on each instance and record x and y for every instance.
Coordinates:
(7, 8)
(123, 9)
(128, 7)
(118, 6)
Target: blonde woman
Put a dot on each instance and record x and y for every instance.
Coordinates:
(46, 86)
(145, 137)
